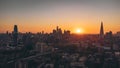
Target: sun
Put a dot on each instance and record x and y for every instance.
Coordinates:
(79, 31)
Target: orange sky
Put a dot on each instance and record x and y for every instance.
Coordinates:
(37, 16)
(35, 26)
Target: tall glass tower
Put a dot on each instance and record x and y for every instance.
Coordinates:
(15, 35)
(101, 31)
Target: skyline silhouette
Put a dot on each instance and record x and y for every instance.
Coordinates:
(59, 34)
(76, 31)
(35, 16)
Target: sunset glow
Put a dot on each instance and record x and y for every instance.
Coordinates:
(59, 33)
(79, 31)
(37, 16)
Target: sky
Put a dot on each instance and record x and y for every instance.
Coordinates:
(44, 15)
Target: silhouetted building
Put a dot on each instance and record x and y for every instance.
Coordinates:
(66, 35)
(101, 31)
(66, 32)
(57, 33)
(7, 32)
(109, 34)
(109, 39)
(15, 35)
(118, 34)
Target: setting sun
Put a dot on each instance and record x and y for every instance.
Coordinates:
(79, 31)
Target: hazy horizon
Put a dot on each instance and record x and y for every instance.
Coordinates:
(36, 16)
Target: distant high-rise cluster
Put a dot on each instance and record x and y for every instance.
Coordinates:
(57, 31)
(58, 35)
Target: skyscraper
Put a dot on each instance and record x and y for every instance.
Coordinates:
(15, 35)
(15, 29)
(101, 31)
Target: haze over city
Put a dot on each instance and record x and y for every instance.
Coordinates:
(59, 34)
(36, 16)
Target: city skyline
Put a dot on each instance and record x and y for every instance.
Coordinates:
(59, 34)
(76, 31)
(37, 16)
